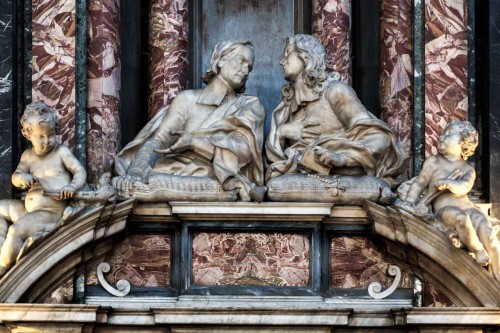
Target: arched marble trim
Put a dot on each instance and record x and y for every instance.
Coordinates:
(463, 280)
(61, 252)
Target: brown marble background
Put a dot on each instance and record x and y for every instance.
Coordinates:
(168, 53)
(434, 298)
(103, 117)
(355, 262)
(53, 72)
(142, 260)
(332, 26)
(62, 295)
(250, 259)
(445, 67)
(396, 68)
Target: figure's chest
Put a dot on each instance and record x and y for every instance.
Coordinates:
(47, 167)
(318, 112)
(197, 117)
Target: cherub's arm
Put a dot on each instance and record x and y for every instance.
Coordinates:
(461, 186)
(22, 177)
(422, 181)
(74, 167)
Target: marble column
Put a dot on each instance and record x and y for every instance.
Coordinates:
(396, 69)
(7, 103)
(332, 26)
(53, 56)
(492, 117)
(445, 67)
(103, 102)
(168, 53)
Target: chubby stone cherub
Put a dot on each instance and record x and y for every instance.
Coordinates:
(444, 181)
(47, 165)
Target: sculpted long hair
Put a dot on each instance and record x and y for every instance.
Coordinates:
(313, 53)
(222, 51)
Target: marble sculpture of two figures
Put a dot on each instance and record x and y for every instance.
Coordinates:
(207, 145)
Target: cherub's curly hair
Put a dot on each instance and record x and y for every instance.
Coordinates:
(36, 114)
(224, 50)
(469, 137)
(313, 53)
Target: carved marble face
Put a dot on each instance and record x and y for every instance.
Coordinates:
(43, 138)
(292, 64)
(235, 68)
(450, 142)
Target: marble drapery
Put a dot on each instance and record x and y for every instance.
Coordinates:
(396, 69)
(445, 67)
(103, 102)
(168, 53)
(332, 26)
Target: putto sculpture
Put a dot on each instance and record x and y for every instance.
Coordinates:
(321, 129)
(439, 195)
(46, 166)
(207, 145)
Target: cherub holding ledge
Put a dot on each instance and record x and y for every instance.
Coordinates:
(439, 193)
(47, 166)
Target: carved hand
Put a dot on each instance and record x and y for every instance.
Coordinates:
(26, 180)
(329, 158)
(67, 192)
(183, 143)
(306, 132)
(442, 184)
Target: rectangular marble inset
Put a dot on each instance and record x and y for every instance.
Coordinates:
(62, 295)
(141, 259)
(355, 262)
(251, 259)
(445, 67)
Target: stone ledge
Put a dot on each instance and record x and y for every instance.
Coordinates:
(246, 211)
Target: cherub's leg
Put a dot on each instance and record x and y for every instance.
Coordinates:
(454, 217)
(488, 236)
(10, 211)
(27, 225)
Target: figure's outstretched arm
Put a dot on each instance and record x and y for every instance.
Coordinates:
(74, 167)
(460, 186)
(421, 182)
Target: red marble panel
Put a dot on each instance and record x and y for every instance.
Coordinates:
(168, 53)
(250, 259)
(396, 68)
(53, 71)
(142, 260)
(445, 67)
(332, 26)
(355, 262)
(103, 101)
(62, 295)
(434, 298)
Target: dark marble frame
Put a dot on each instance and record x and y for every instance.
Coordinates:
(312, 228)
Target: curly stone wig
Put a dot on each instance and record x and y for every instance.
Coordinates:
(469, 137)
(38, 114)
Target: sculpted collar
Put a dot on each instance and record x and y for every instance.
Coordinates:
(215, 92)
(304, 94)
